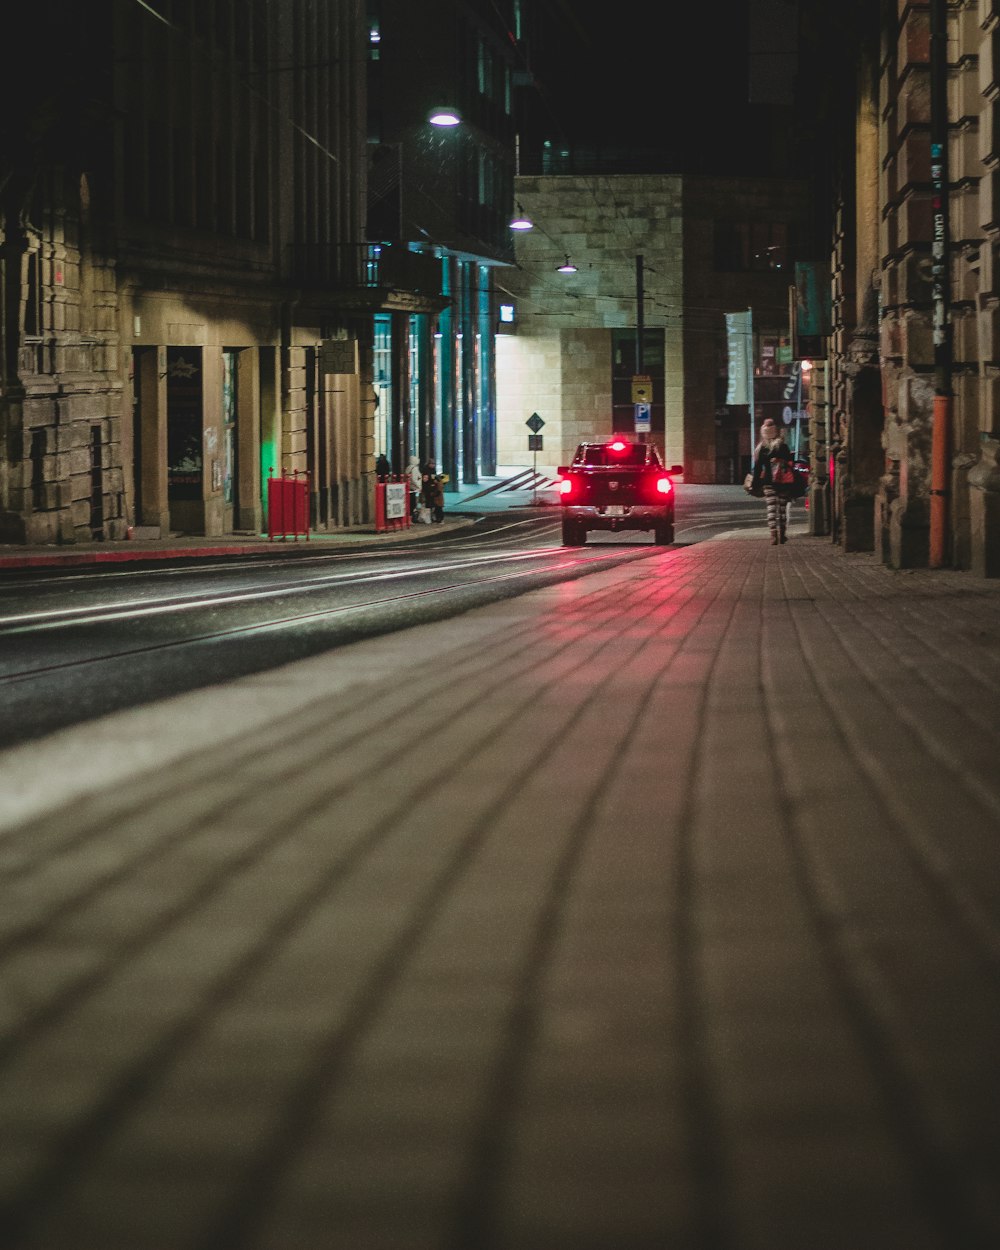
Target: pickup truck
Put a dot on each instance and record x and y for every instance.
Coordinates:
(616, 484)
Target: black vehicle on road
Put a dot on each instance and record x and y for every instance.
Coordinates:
(616, 484)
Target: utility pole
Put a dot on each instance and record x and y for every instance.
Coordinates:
(639, 295)
(639, 328)
(750, 386)
(941, 288)
(798, 409)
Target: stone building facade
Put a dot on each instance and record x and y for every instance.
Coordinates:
(198, 291)
(231, 244)
(183, 272)
(690, 249)
(885, 375)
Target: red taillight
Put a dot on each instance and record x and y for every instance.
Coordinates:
(618, 445)
(664, 485)
(565, 486)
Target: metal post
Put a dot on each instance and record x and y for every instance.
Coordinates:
(639, 328)
(798, 411)
(941, 287)
(639, 325)
(750, 386)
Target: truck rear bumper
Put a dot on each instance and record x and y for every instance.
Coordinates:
(639, 517)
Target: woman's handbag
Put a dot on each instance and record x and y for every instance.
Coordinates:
(782, 473)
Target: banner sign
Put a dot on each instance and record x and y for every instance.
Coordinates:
(812, 313)
(739, 341)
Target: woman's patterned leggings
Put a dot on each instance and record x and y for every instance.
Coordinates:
(775, 513)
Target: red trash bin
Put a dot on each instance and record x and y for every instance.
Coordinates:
(288, 504)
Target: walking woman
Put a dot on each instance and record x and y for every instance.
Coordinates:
(773, 474)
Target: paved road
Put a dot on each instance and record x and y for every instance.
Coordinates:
(79, 643)
(654, 910)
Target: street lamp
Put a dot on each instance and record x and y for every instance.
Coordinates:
(444, 116)
(566, 267)
(521, 221)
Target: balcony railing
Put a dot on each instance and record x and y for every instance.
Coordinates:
(364, 266)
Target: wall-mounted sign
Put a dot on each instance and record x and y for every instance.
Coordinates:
(395, 500)
(338, 356)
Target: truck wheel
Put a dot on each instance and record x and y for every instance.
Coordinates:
(663, 535)
(573, 534)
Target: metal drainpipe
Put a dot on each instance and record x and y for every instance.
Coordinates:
(941, 282)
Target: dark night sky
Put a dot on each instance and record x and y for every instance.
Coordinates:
(642, 75)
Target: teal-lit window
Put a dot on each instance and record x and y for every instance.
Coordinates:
(382, 379)
(485, 371)
(416, 378)
(485, 179)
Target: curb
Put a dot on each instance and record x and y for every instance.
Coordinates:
(129, 553)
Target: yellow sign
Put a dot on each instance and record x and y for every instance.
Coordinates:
(642, 389)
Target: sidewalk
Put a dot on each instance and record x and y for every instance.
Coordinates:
(657, 910)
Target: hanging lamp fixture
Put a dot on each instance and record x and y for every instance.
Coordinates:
(444, 116)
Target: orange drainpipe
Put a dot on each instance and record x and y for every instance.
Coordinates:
(940, 492)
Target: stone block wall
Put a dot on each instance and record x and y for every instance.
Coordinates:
(529, 379)
(907, 347)
(558, 359)
(65, 482)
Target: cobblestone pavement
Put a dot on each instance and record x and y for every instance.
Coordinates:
(659, 910)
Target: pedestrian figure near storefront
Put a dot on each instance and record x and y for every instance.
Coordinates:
(432, 496)
(774, 477)
(415, 477)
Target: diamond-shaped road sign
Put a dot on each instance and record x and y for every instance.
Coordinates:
(534, 423)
